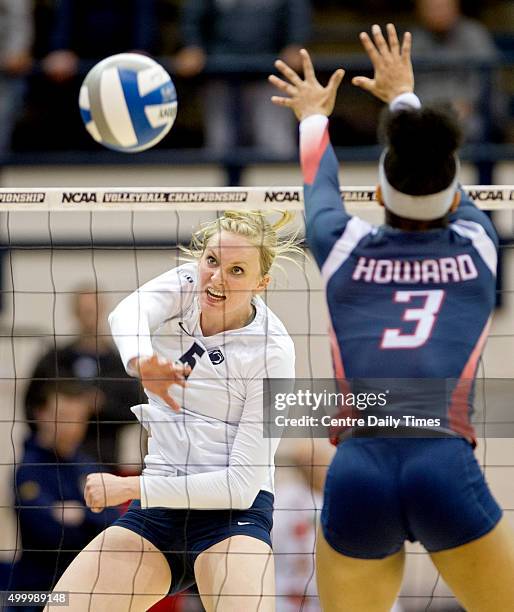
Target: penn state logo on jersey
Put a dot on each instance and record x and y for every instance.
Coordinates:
(188, 277)
(216, 356)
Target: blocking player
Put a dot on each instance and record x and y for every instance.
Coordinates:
(411, 299)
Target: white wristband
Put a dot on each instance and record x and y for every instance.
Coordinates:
(405, 101)
(313, 120)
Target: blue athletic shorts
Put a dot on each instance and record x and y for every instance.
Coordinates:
(381, 492)
(181, 535)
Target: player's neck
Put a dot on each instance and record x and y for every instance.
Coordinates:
(411, 225)
(211, 325)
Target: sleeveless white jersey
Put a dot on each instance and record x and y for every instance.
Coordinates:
(211, 454)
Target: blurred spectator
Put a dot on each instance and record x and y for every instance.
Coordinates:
(16, 36)
(93, 29)
(86, 30)
(54, 522)
(298, 502)
(244, 28)
(92, 360)
(445, 34)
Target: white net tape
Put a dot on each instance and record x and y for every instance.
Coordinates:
(358, 199)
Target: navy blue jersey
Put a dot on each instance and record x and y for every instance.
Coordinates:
(402, 304)
(43, 483)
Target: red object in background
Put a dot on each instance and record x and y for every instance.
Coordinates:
(301, 530)
(172, 603)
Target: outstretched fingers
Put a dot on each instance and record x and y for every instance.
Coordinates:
(364, 83)
(391, 63)
(288, 72)
(370, 48)
(305, 96)
(308, 68)
(379, 49)
(287, 88)
(380, 41)
(335, 80)
(406, 46)
(279, 101)
(394, 43)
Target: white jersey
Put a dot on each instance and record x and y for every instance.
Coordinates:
(212, 454)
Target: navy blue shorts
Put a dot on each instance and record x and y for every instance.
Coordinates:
(381, 492)
(181, 535)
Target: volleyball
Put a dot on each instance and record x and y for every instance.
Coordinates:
(128, 102)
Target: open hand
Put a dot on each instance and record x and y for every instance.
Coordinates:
(391, 63)
(305, 97)
(157, 375)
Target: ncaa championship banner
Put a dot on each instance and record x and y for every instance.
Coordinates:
(357, 199)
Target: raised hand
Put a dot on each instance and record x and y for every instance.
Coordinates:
(391, 63)
(157, 375)
(305, 96)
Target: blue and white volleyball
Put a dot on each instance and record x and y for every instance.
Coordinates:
(128, 102)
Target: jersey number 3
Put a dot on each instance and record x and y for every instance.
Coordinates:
(425, 316)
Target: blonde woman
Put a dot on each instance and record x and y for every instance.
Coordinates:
(201, 340)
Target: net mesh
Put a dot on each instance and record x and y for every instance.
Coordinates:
(59, 244)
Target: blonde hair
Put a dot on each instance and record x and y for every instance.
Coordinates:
(254, 226)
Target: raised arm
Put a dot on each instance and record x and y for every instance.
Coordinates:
(138, 315)
(326, 218)
(312, 104)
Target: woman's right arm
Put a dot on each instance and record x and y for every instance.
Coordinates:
(325, 215)
(141, 313)
(312, 104)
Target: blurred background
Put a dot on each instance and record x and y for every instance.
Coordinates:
(218, 53)
(61, 273)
